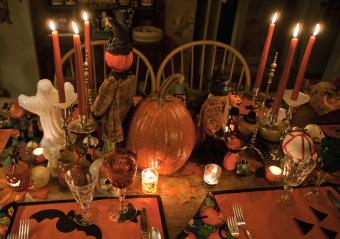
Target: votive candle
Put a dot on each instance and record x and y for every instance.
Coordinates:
(273, 173)
(149, 180)
(212, 173)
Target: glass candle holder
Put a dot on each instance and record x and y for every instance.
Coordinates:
(149, 180)
(38, 155)
(212, 173)
(274, 173)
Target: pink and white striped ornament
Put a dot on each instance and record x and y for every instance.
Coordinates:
(298, 145)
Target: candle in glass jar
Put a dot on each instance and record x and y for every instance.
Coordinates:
(38, 155)
(273, 173)
(149, 180)
(212, 173)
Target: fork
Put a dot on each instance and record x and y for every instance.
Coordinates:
(24, 228)
(12, 236)
(232, 225)
(240, 219)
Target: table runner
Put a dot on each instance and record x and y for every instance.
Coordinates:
(47, 227)
(268, 219)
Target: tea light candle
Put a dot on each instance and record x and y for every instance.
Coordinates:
(212, 173)
(149, 180)
(273, 173)
(38, 155)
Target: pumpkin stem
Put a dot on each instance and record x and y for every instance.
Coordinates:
(163, 90)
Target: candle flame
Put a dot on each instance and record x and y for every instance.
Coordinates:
(317, 29)
(85, 16)
(75, 28)
(52, 25)
(274, 17)
(296, 30)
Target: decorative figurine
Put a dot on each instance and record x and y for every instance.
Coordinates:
(17, 174)
(115, 97)
(215, 110)
(43, 104)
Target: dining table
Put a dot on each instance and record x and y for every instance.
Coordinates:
(178, 210)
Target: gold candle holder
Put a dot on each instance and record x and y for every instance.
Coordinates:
(149, 180)
(84, 124)
(271, 75)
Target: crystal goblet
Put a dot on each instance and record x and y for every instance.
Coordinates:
(294, 173)
(82, 184)
(121, 168)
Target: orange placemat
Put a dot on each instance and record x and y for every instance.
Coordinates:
(47, 228)
(266, 218)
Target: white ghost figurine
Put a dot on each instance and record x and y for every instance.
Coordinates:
(44, 105)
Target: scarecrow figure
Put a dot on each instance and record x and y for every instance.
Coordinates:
(115, 98)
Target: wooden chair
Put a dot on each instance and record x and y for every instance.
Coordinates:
(198, 60)
(145, 76)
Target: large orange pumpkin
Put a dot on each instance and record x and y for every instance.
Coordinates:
(162, 131)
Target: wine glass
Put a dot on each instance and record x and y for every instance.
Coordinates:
(82, 184)
(294, 173)
(120, 168)
(327, 162)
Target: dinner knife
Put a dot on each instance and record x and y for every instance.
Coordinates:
(144, 224)
(333, 199)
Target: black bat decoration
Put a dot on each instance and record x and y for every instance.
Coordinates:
(66, 222)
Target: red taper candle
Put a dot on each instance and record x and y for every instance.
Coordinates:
(265, 51)
(304, 63)
(57, 63)
(79, 69)
(286, 72)
(88, 48)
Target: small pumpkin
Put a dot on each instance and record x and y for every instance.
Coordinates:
(162, 131)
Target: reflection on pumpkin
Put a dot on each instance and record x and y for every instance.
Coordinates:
(162, 131)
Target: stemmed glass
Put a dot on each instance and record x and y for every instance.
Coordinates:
(294, 173)
(121, 168)
(82, 184)
(327, 162)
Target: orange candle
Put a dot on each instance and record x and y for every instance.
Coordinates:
(88, 48)
(79, 69)
(265, 51)
(286, 72)
(304, 63)
(57, 63)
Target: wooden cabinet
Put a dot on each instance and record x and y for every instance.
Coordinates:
(62, 15)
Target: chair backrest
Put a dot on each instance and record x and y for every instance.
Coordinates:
(145, 76)
(198, 60)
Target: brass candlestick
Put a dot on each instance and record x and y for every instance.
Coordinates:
(271, 75)
(84, 124)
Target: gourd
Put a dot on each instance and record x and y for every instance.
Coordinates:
(162, 132)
